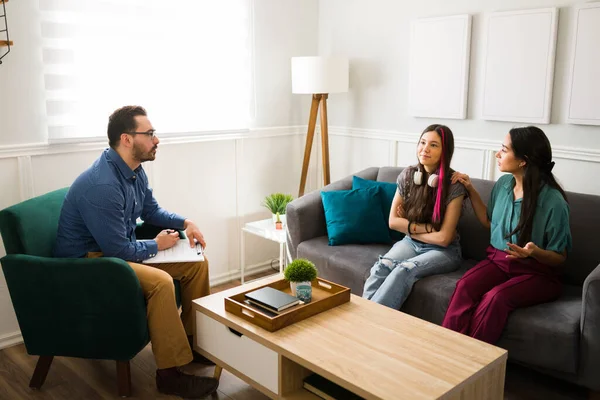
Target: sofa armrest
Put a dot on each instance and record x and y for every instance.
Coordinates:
(80, 307)
(305, 216)
(590, 330)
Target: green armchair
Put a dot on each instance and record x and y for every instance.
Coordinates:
(71, 307)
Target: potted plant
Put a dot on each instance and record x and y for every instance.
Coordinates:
(278, 223)
(300, 273)
(276, 203)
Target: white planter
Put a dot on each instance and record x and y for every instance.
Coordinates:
(302, 290)
(282, 218)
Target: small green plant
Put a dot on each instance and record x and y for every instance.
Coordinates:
(300, 270)
(277, 202)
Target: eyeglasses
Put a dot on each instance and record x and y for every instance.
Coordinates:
(151, 133)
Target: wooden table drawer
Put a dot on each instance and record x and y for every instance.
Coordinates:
(250, 358)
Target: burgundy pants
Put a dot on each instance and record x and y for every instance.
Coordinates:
(490, 291)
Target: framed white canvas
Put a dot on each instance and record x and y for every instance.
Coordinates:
(439, 67)
(519, 65)
(584, 93)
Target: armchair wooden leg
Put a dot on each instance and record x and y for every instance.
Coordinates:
(217, 374)
(40, 372)
(124, 378)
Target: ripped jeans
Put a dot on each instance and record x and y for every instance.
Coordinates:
(394, 274)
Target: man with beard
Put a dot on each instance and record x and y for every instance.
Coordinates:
(98, 218)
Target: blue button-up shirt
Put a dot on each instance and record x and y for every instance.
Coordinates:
(101, 208)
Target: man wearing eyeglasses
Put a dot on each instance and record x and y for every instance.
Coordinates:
(98, 218)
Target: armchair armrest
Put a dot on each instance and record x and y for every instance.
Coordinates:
(590, 330)
(78, 307)
(305, 216)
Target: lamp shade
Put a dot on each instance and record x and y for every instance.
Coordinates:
(319, 75)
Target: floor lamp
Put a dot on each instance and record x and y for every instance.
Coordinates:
(318, 76)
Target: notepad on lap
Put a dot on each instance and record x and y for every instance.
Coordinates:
(272, 298)
(181, 252)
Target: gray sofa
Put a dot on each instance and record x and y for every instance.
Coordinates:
(561, 338)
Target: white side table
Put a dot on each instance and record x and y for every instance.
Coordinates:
(265, 229)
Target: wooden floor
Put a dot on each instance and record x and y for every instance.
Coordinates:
(71, 378)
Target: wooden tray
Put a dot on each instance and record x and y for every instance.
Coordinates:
(325, 295)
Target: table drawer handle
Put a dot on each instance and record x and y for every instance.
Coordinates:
(248, 313)
(240, 334)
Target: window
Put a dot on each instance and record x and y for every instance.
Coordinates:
(188, 62)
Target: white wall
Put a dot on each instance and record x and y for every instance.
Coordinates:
(369, 126)
(219, 181)
(282, 29)
(22, 105)
(375, 35)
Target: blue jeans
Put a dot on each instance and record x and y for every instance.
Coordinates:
(394, 274)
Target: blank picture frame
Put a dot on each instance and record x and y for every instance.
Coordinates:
(584, 92)
(519, 65)
(439, 67)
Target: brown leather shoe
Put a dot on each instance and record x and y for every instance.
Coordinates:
(200, 359)
(187, 386)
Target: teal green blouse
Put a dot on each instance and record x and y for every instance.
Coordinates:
(551, 229)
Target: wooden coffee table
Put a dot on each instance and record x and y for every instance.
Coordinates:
(371, 350)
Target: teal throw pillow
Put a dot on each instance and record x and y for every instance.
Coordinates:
(388, 190)
(355, 216)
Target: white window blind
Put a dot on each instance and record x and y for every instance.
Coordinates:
(188, 62)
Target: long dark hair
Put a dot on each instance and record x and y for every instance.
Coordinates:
(421, 202)
(531, 145)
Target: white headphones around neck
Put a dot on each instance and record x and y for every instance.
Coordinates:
(432, 181)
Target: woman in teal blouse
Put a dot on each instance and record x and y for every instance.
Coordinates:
(528, 216)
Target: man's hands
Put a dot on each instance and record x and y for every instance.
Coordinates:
(192, 232)
(515, 251)
(166, 239)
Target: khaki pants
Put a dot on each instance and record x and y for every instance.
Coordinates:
(168, 334)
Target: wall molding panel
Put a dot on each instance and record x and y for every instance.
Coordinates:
(253, 163)
(26, 188)
(99, 143)
(489, 162)
(186, 174)
(487, 169)
(570, 153)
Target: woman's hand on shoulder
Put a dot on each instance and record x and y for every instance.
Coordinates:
(462, 178)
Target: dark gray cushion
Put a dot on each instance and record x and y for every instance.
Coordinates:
(389, 174)
(546, 335)
(474, 238)
(348, 265)
(430, 296)
(584, 220)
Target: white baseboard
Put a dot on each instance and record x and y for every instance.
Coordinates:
(11, 339)
(232, 275)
